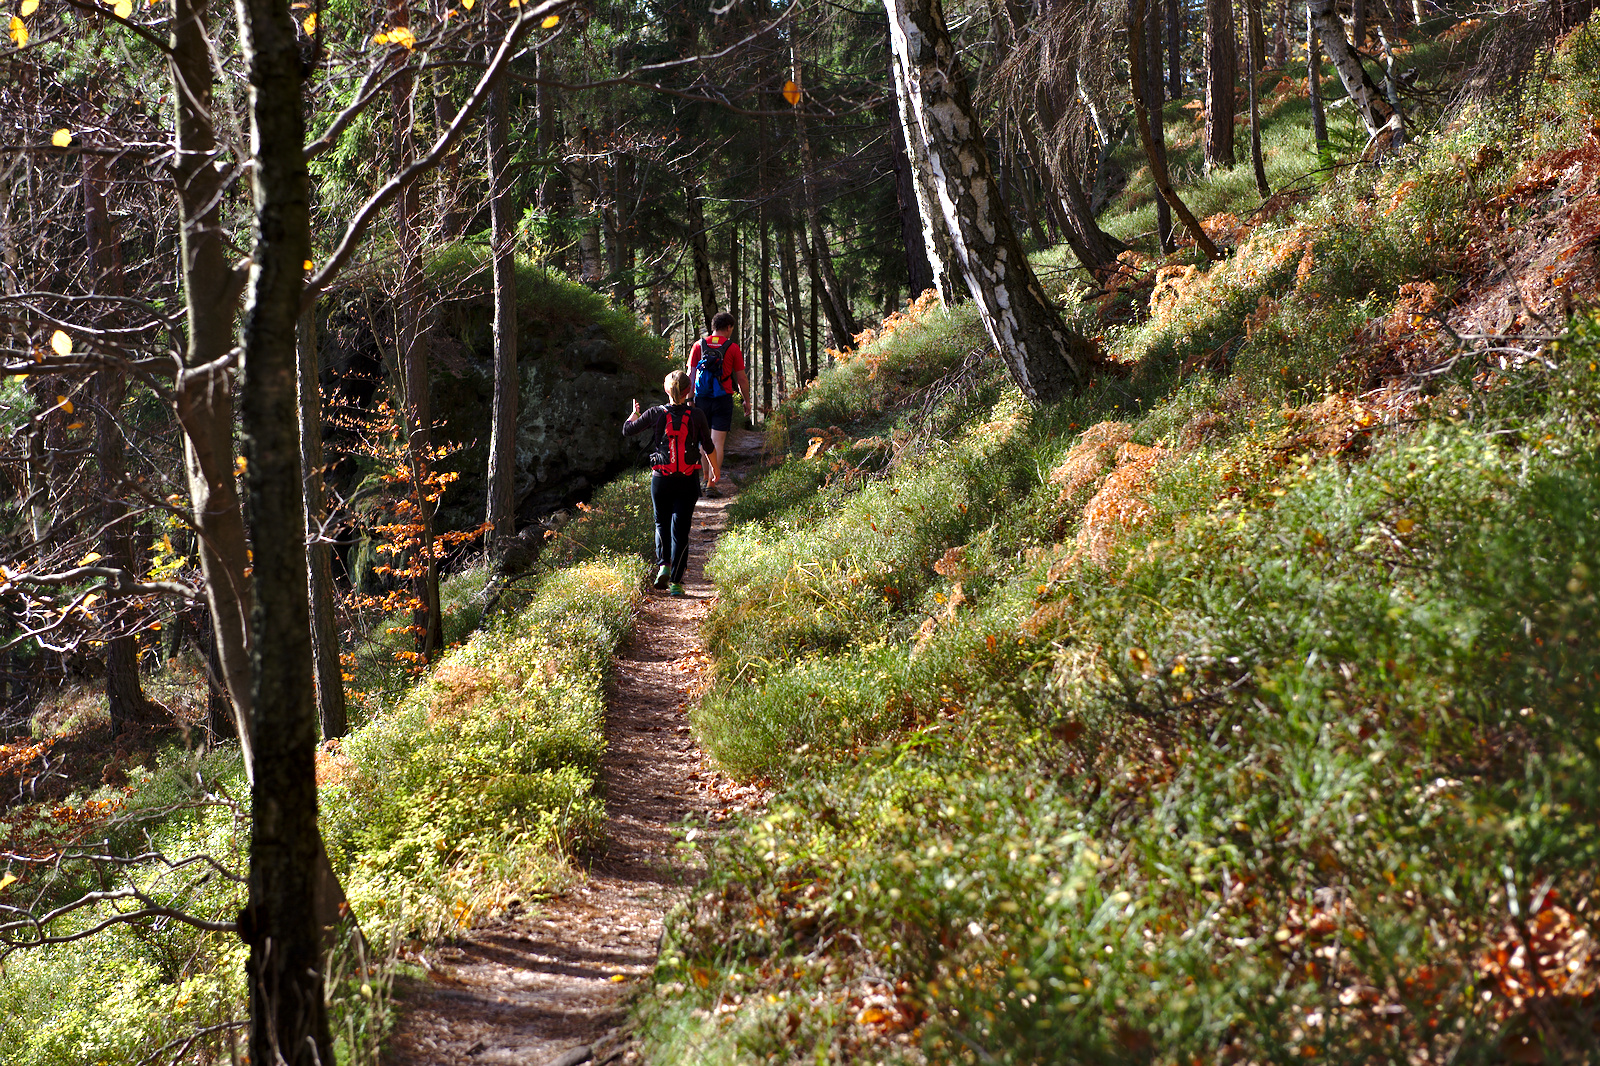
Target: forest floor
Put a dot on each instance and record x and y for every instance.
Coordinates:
(551, 984)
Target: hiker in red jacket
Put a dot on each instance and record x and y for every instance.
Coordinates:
(681, 439)
(716, 366)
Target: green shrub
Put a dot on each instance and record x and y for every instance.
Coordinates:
(459, 798)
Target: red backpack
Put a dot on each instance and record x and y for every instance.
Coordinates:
(674, 452)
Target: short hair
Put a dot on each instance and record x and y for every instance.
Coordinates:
(677, 385)
(721, 320)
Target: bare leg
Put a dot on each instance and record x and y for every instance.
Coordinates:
(719, 440)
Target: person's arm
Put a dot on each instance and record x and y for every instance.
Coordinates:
(743, 382)
(694, 357)
(637, 422)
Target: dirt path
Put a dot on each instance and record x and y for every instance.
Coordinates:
(550, 985)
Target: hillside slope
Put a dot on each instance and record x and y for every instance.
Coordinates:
(1243, 708)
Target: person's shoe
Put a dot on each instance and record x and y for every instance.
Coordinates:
(674, 589)
(661, 578)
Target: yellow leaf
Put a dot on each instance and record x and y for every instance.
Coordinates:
(7, 879)
(92, 557)
(307, 266)
(76, 425)
(380, 38)
(468, 4)
(28, 7)
(60, 343)
(791, 93)
(616, 977)
(66, 404)
(310, 25)
(19, 32)
(550, 22)
(1405, 525)
(166, 543)
(123, 9)
(516, 3)
(61, 138)
(240, 465)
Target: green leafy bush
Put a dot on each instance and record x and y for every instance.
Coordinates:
(471, 790)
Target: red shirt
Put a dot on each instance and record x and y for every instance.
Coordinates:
(732, 363)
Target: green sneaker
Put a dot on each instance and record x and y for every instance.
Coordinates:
(661, 578)
(674, 589)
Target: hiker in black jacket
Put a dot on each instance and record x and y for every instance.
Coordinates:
(682, 440)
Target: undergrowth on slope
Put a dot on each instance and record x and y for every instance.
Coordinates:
(468, 796)
(1226, 712)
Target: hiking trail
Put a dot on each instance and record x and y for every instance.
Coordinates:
(549, 984)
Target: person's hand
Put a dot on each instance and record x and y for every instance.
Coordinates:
(716, 476)
(635, 416)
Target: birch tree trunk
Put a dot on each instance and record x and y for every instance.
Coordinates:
(288, 1020)
(501, 514)
(1364, 93)
(935, 234)
(1047, 359)
(319, 552)
(1222, 73)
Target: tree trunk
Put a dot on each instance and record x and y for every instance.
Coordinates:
(1098, 192)
(501, 514)
(1047, 359)
(203, 392)
(791, 296)
(288, 1020)
(319, 552)
(935, 233)
(764, 282)
(1375, 110)
(1150, 80)
(585, 204)
(1093, 246)
(1158, 163)
(411, 345)
(449, 185)
(124, 697)
(1255, 37)
(220, 725)
(618, 227)
(1257, 33)
(839, 306)
(919, 272)
(1174, 49)
(1280, 36)
(699, 250)
(1319, 117)
(1358, 24)
(734, 279)
(816, 351)
(1222, 73)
